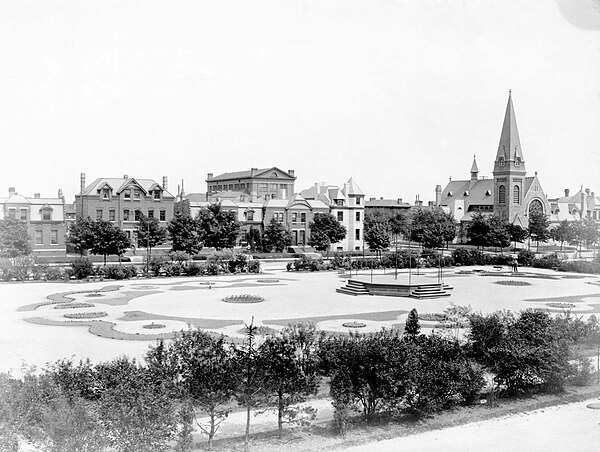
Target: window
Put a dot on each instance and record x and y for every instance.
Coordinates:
(126, 215)
(163, 215)
(250, 215)
(340, 216)
(295, 217)
(137, 215)
(358, 201)
(98, 214)
(357, 234)
(517, 195)
(242, 185)
(302, 237)
(501, 161)
(12, 213)
(136, 194)
(157, 195)
(502, 194)
(46, 214)
(105, 193)
(518, 161)
(127, 194)
(236, 186)
(278, 217)
(23, 214)
(111, 215)
(150, 213)
(39, 238)
(357, 216)
(340, 202)
(54, 237)
(303, 217)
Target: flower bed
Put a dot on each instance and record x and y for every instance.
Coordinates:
(354, 325)
(511, 282)
(95, 294)
(558, 304)
(433, 317)
(243, 299)
(153, 326)
(260, 330)
(73, 305)
(86, 315)
(268, 281)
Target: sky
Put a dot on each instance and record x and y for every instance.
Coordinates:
(397, 94)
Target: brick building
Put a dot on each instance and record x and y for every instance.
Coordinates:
(259, 184)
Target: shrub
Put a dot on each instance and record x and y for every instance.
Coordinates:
(579, 267)
(308, 263)
(254, 266)
(526, 257)
(55, 273)
(465, 256)
(81, 268)
(194, 269)
(548, 261)
(119, 272)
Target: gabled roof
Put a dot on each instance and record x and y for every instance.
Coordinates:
(297, 199)
(121, 183)
(248, 173)
(17, 199)
(129, 182)
(353, 188)
(472, 191)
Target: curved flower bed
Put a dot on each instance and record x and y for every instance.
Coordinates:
(94, 294)
(153, 326)
(354, 325)
(433, 316)
(207, 283)
(260, 330)
(511, 282)
(74, 305)
(268, 281)
(243, 298)
(558, 304)
(86, 315)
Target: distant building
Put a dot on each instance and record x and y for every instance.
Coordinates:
(579, 206)
(509, 194)
(347, 205)
(258, 184)
(122, 200)
(45, 219)
(387, 206)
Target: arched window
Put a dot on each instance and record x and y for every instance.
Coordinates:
(536, 206)
(501, 194)
(517, 195)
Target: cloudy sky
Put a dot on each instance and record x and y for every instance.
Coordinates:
(398, 94)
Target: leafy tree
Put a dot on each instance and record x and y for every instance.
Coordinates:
(80, 235)
(478, 230)
(377, 232)
(431, 228)
(325, 230)
(562, 233)
(185, 234)
(108, 239)
(218, 227)
(254, 239)
(499, 232)
(14, 240)
(517, 233)
(412, 327)
(399, 223)
(538, 226)
(150, 234)
(276, 236)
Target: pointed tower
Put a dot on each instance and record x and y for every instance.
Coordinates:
(474, 169)
(509, 168)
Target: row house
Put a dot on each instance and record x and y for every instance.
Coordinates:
(44, 216)
(123, 200)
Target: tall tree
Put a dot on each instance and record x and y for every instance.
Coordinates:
(108, 239)
(517, 233)
(412, 327)
(325, 230)
(499, 232)
(276, 236)
(185, 234)
(14, 240)
(80, 235)
(562, 233)
(431, 228)
(478, 230)
(218, 227)
(377, 232)
(150, 234)
(254, 239)
(538, 226)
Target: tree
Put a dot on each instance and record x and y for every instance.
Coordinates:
(478, 230)
(14, 240)
(412, 327)
(325, 230)
(563, 233)
(377, 232)
(499, 232)
(254, 239)
(219, 228)
(108, 239)
(431, 228)
(80, 235)
(185, 234)
(517, 233)
(150, 234)
(538, 226)
(276, 236)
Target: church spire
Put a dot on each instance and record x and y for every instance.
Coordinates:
(474, 169)
(509, 155)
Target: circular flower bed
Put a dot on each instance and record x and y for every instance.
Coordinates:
(86, 315)
(267, 281)
(511, 282)
(354, 325)
(433, 317)
(144, 287)
(207, 283)
(243, 298)
(73, 305)
(153, 326)
(95, 294)
(560, 305)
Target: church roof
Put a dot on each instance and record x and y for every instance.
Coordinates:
(509, 147)
(479, 192)
(474, 168)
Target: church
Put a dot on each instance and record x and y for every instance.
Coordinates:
(510, 194)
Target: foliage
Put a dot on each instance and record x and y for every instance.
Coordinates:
(489, 230)
(324, 231)
(525, 257)
(254, 239)
(81, 268)
(150, 234)
(563, 233)
(218, 227)
(431, 228)
(14, 240)
(79, 235)
(412, 327)
(539, 226)
(119, 272)
(276, 237)
(185, 234)
(377, 232)
(108, 239)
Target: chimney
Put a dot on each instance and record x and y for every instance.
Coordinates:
(399, 201)
(291, 172)
(371, 199)
(11, 191)
(253, 171)
(567, 191)
(60, 194)
(125, 176)
(82, 183)
(430, 203)
(346, 188)
(438, 195)
(209, 176)
(36, 196)
(165, 182)
(381, 198)
(587, 191)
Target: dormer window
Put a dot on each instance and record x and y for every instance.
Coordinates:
(340, 202)
(488, 193)
(127, 194)
(136, 194)
(358, 201)
(46, 212)
(518, 161)
(501, 161)
(449, 193)
(157, 195)
(466, 193)
(105, 193)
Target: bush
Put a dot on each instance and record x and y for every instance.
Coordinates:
(466, 256)
(526, 257)
(308, 263)
(81, 268)
(548, 261)
(119, 272)
(254, 266)
(579, 267)
(194, 269)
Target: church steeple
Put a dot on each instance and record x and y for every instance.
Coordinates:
(509, 156)
(474, 169)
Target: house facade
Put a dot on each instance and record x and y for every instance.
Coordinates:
(575, 207)
(122, 200)
(45, 219)
(257, 183)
